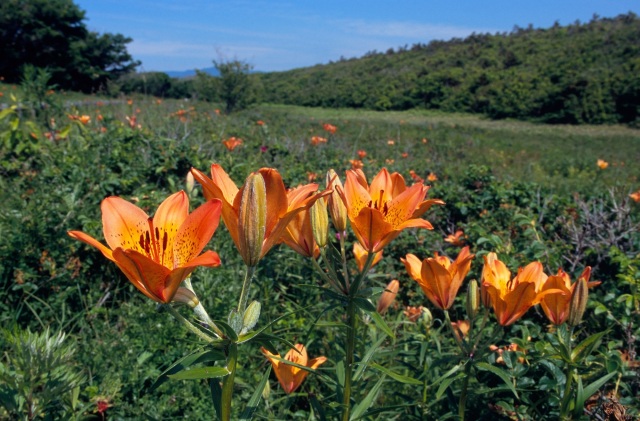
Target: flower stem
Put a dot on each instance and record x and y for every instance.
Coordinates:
(244, 295)
(348, 359)
(462, 404)
(344, 259)
(186, 323)
(227, 383)
(566, 397)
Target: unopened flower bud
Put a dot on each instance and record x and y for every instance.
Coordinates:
(320, 222)
(251, 316)
(189, 183)
(473, 299)
(337, 209)
(485, 298)
(578, 302)
(387, 297)
(252, 217)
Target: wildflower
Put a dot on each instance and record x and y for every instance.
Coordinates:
(232, 143)
(362, 153)
(405, 154)
(413, 313)
(289, 376)
(635, 196)
(455, 239)
(387, 296)
(378, 213)
(356, 164)
(432, 177)
(511, 298)
(391, 142)
(425, 140)
(84, 119)
(317, 139)
(360, 255)
(157, 254)
(330, 128)
(389, 161)
(461, 329)
(129, 102)
(438, 277)
(279, 211)
(556, 305)
(260, 123)
(602, 164)
(263, 149)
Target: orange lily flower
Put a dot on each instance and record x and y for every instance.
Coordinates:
(317, 139)
(157, 254)
(602, 164)
(413, 313)
(330, 128)
(362, 153)
(279, 210)
(556, 305)
(439, 278)
(511, 298)
(299, 232)
(289, 376)
(232, 143)
(356, 164)
(456, 239)
(360, 255)
(635, 196)
(379, 212)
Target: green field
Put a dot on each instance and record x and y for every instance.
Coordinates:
(528, 192)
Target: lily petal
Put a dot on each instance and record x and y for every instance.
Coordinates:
(196, 231)
(124, 224)
(85, 238)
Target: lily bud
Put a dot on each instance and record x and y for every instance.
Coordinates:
(320, 222)
(387, 297)
(251, 316)
(473, 299)
(252, 219)
(189, 183)
(578, 302)
(337, 209)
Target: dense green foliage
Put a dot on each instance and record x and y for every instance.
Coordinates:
(580, 73)
(522, 190)
(52, 34)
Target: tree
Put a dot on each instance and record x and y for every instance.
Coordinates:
(236, 85)
(51, 34)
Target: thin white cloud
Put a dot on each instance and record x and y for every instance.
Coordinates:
(410, 30)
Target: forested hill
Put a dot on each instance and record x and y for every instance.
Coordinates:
(581, 73)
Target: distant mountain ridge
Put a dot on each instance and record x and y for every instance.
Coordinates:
(180, 74)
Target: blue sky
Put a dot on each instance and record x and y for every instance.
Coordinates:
(285, 34)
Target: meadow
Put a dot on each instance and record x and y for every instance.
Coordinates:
(554, 194)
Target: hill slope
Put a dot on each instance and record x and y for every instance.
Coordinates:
(581, 73)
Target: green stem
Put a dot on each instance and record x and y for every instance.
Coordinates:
(462, 404)
(186, 323)
(227, 383)
(344, 259)
(348, 359)
(332, 281)
(244, 295)
(566, 397)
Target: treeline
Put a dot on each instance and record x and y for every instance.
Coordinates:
(580, 73)
(52, 35)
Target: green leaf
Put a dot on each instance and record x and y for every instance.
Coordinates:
(584, 348)
(395, 376)
(368, 400)
(187, 361)
(364, 304)
(379, 321)
(444, 384)
(500, 373)
(367, 357)
(583, 394)
(216, 396)
(200, 373)
(252, 405)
